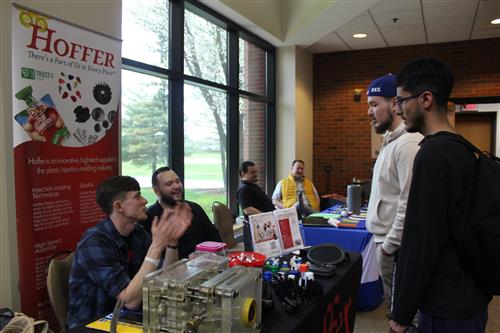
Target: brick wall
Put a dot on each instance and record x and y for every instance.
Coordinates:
(252, 113)
(341, 126)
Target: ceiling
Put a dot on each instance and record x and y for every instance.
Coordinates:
(407, 22)
(322, 26)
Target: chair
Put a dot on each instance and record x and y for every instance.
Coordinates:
(57, 285)
(223, 221)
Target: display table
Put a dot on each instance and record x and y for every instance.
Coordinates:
(371, 291)
(334, 312)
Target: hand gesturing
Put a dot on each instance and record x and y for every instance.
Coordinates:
(172, 224)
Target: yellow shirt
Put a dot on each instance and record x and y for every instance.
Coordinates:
(289, 192)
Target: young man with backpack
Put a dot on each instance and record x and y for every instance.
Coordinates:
(431, 274)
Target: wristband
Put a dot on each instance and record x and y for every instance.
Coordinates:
(173, 247)
(155, 262)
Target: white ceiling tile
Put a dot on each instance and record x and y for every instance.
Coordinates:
(389, 6)
(488, 8)
(485, 33)
(404, 35)
(359, 23)
(442, 3)
(448, 31)
(449, 12)
(404, 18)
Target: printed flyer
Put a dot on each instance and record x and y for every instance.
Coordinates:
(66, 101)
(276, 232)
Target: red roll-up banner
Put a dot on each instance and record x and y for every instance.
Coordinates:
(66, 102)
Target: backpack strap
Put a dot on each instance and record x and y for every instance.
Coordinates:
(460, 242)
(469, 145)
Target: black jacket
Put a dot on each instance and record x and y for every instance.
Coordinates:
(429, 275)
(251, 195)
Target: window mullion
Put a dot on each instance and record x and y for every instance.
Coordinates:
(176, 96)
(233, 120)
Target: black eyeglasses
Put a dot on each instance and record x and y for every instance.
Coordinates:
(401, 100)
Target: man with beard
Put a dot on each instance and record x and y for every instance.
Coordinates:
(430, 275)
(169, 190)
(297, 191)
(391, 175)
(250, 196)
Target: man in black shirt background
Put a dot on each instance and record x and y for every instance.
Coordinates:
(252, 199)
(429, 275)
(169, 189)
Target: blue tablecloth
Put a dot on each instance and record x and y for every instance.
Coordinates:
(371, 291)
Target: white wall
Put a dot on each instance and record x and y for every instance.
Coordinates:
(99, 15)
(294, 115)
(304, 108)
(285, 110)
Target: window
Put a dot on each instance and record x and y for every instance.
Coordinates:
(205, 49)
(144, 127)
(145, 31)
(198, 96)
(205, 146)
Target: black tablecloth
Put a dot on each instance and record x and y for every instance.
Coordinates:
(334, 312)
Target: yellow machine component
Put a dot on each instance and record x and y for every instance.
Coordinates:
(249, 312)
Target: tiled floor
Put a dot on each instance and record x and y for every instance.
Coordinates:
(376, 322)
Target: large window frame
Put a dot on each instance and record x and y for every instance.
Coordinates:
(177, 79)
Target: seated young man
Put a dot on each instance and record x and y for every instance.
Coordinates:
(113, 257)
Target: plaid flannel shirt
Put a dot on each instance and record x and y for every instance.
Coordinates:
(103, 266)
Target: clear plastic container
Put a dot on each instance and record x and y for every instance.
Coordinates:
(212, 247)
(216, 249)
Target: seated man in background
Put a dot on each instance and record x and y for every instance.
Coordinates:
(113, 257)
(295, 188)
(169, 190)
(252, 199)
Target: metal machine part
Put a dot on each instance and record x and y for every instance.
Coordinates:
(192, 296)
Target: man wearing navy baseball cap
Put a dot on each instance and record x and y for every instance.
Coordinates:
(391, 175)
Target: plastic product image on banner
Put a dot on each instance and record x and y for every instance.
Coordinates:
(40, 120)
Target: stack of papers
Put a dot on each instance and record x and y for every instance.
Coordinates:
(354, 221)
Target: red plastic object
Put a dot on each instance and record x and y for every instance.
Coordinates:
(303, 268)
(248, 259)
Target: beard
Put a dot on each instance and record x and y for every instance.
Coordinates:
(381, 128)
(417, 122)
(167, 199)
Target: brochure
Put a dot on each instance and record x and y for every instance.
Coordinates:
(276, 232)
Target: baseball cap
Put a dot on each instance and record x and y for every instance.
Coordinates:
(384, 86)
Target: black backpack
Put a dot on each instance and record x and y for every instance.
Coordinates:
(481, 244)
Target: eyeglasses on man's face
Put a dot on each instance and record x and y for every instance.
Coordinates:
(401, 100)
